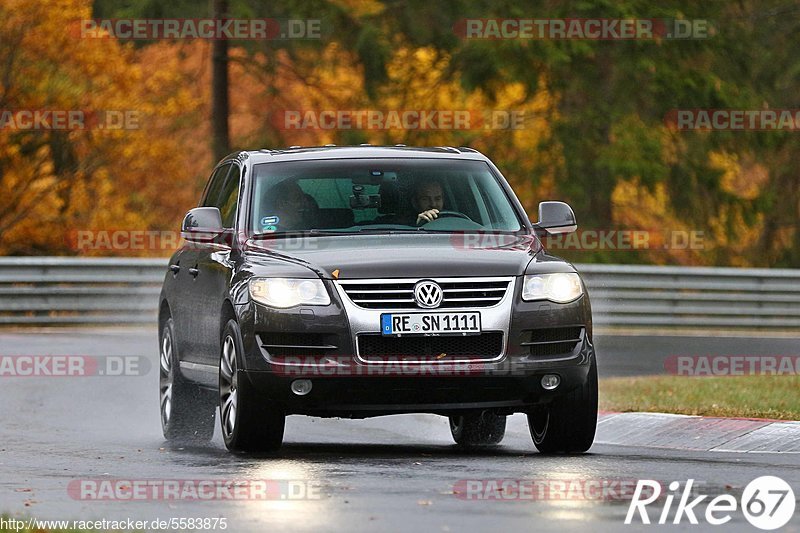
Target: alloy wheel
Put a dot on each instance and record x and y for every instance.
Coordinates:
(228, 386)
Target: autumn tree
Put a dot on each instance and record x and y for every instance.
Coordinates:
(54, 182)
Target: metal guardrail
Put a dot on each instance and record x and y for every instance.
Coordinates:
(693, 297)
(68, 290)
(58, 290)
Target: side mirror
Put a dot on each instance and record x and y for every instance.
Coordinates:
(202, 224)
(555, 218)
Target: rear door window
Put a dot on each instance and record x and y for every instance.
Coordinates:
(229, 198)
(215, 185)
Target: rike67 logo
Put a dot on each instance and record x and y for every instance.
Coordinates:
(767, 503)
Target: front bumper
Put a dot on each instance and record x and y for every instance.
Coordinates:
(345, 385)
(360, 391)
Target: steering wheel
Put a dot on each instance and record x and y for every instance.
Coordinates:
(443, 214)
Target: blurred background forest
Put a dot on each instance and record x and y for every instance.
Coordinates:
(595, 134)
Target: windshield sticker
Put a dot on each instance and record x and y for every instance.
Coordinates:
(271, 220)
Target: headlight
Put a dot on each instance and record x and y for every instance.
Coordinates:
(283, 293)
(560, 288)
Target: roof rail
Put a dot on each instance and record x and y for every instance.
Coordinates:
(468, 149)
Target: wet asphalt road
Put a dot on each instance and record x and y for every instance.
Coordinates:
(386, 474)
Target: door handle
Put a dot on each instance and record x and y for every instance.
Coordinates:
(194, 271)
(175, 268)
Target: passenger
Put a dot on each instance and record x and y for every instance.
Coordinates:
(293, 208)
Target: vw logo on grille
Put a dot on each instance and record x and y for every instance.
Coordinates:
(428, 294)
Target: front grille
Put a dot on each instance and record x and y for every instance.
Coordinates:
(377, 294)
(484, 346)
(552, 341)
(286, 344)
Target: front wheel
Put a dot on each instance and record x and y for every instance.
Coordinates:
(567, 424)
(187, 411)
(248, 424)
(484, 428)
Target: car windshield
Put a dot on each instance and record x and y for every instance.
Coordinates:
(379, 195)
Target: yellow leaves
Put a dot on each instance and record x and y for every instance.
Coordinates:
(745, 178)
(743, 238)
(638, 205)
(638, 208)
(360, 8)
(742, 176)
(46, 167)
(420, 71)
(728, 235)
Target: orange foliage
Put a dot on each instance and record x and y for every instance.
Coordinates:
(55, 182)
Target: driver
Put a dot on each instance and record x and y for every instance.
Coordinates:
(428, 200)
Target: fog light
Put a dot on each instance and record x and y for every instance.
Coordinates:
(549, 381)
(301, 387)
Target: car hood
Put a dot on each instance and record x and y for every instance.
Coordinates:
(403, 255)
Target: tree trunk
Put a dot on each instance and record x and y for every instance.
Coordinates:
(219, 88)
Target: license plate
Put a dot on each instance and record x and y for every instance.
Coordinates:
(431, 324)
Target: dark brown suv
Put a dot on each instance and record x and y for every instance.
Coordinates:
(367, 281)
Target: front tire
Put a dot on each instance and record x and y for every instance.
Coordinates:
(248, 423)
(475, 430)
(187, 411)
(567, 424)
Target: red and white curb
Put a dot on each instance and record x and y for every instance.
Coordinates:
(698, 433)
